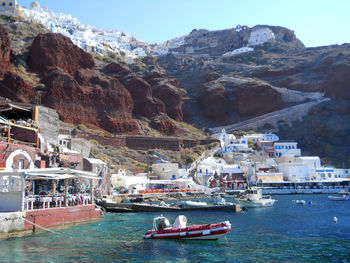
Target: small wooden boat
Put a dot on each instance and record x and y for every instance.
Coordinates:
(179, 230)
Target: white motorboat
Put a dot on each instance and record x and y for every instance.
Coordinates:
(339, 197)
(254, 198)
(300, 202)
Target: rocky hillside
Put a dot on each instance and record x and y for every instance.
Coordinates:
(202, 82)
(225, 89)
(62, 76)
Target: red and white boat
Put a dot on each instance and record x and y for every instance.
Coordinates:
(162, 229)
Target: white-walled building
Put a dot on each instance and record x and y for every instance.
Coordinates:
(286, 149)
(238, 51)
(262, 137)
(295, 171)
(208, 167)
(85, 36)
(8, 7)
(300, 168)
(261, 36)
(342, 173)
(122, 180)
(229, 142)
(166, 171)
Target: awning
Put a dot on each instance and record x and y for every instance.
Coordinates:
(52, 174)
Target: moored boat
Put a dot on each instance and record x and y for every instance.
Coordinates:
(339, 197)
(162, 229)
(254, 198)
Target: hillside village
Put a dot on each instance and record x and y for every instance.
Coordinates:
(49, 164)
(102, 42)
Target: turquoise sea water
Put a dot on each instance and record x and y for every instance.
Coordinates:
(287, 232)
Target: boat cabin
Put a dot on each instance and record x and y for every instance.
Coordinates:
(162, 223)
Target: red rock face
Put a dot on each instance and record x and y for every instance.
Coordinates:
(5, 50)
(16, 89)
(247, 97)
(100, 102)
(57, 51)
(213, 103)
(163, 123)
(338, 82)
(140, 90)
(167, 90)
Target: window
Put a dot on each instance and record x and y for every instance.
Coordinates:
(97, 169)
(21, 164)
(3, 4)
(10, 4)
(346, 171)
(200, 171)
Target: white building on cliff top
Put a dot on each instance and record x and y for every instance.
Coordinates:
(261, 36)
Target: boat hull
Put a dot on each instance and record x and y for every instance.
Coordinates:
(339, 198)
(259, 203)
(204, 232)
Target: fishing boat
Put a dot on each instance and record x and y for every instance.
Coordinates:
(254, 198)
(162, 229)
(339, 197)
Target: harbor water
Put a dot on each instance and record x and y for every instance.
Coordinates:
(286, 232)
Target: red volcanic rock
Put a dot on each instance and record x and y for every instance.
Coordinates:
(213, 103)
(5, 50)
(15, 88)
(257, 100)
(338, 82)
(163, 123)
(247, 97)
(101, 102)
(139, 89)
(167, 90)
(57, 51)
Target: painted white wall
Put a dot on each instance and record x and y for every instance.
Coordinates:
(9, 160)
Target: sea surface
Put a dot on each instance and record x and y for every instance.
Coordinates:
(287, 232)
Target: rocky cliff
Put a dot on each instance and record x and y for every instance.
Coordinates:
(69, 82)
(225, 88)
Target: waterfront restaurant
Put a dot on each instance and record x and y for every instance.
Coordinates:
(53, 209)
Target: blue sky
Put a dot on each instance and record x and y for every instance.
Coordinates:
(315, 22)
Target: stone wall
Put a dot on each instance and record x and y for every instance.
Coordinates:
(48, 122)
(10, 223)
(143, 142)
